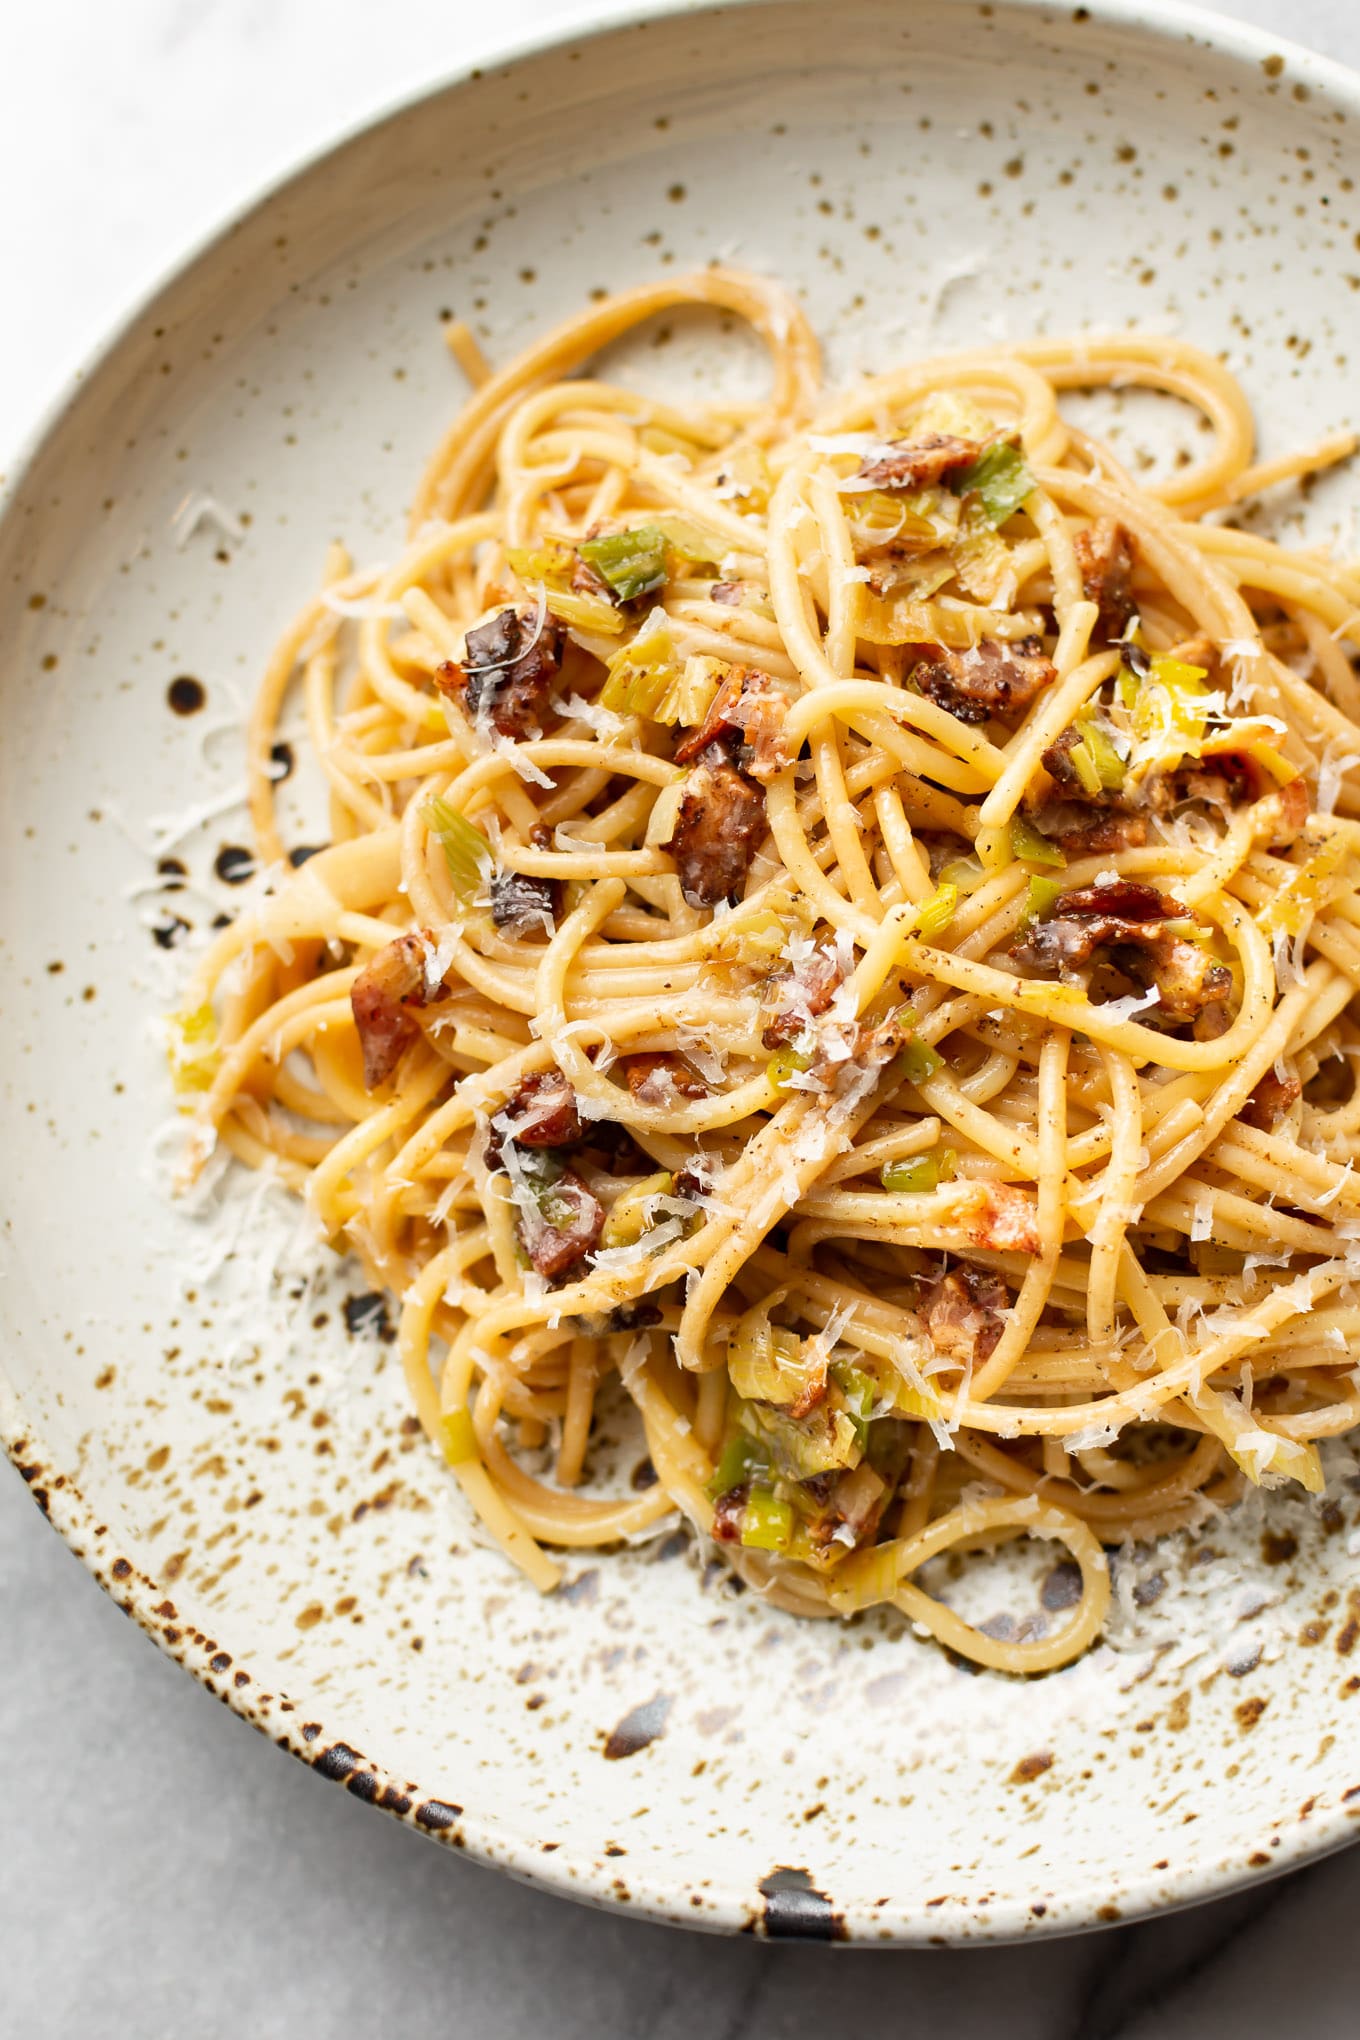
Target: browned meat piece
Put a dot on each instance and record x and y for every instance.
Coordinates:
(795, 996)
(1127, 920)
(510, 665)
(656, 1079)
(989, 679)
(382, 998)
(965, 1314)
(585, 580)
(524, 905)
(748, 710)
(721, 820)
(919, 463)
(728, 1511)
(1106, 553)
(542, 1112)
(1086, 832)
(1296, 804)
(1007, 1221)
(1270, 1102)
(1057, 762)
(729, 592)
(564, 1227)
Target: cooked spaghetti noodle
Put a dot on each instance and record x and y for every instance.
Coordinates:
(841, 913)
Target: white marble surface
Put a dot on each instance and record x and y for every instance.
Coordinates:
(162, 1869)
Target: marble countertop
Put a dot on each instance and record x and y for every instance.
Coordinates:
(163, 1870)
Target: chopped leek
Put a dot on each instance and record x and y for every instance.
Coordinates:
(858, 1394)
(1084, 765)
(640, 674)
(690, 541)
(1000, 480)
(1031, 847)
(919, 1062)
(982, 561)
(466, 850)
(745, 478)
(630, 1217)
(632, 562)
(937, 912)
(965, 874)
(1101, 750)
(457, 1437)
(785, 1065)
(191, 1046)
(920, 1172)
(583, 612)
(802, 1448)
(549, 563)
(920, 520)
(1042, 895)
(768, 1363)
(766, 1522)
(741, 1456)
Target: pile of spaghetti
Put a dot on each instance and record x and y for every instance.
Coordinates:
(841, 915)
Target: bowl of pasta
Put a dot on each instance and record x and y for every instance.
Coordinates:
(683, 815)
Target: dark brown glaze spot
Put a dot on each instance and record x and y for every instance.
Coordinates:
(121, 1569)
(643, 1476)
(337, 1761)
(300, 852)
(174, 872)
(310, 1731)
(363, 1785)
(394, 1801)
(795, 1910)
(1030, 1768)
(1348, 1636)
(367, 1315)
(641, 1726)
(615, 1850)
(281, 758)
(166, 932)
(1249, 1712)
(437, 1814)
(220, 1663)
(1278, 1547)
(234, 864)
(186, 695)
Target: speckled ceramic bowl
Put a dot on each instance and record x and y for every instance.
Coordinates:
(210, 1417)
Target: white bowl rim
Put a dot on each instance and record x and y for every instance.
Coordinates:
(477, 1834)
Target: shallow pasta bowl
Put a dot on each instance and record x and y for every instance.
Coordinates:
(213, 1419)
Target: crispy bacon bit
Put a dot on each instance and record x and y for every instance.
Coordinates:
(920, 463)
(1127, 919)
(585, 580)
(382, 997)
(1270, 1102)
(988, 679)
(1084, 834)
(565, 1227)
(1106, 552)
(720, 821)
(1007, 1221)
(1296, 804)
(795, 996)
(748, 711)
(656, 1079)
(964, 1313)
(524, 904)
(509, 667)
(542, 1112)
(728, 1511)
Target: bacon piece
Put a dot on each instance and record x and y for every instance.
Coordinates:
(728, 592)
(986, 680)
(750, 709)
(523, 904)
(720, 821)
(382, 998)
(1127, 919)
(919, 463)
(799, 994)
(1106, 552)
(1007, 1221)
(964, 1313)
(507, 672)
(657, 1079)
(1085, 834)
(728, 1511)
(542, 1112)
(566, 1225)
(1270, 1102)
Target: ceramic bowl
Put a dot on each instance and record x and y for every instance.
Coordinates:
(206, 1404)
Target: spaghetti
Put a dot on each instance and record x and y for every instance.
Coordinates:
(840, 915)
